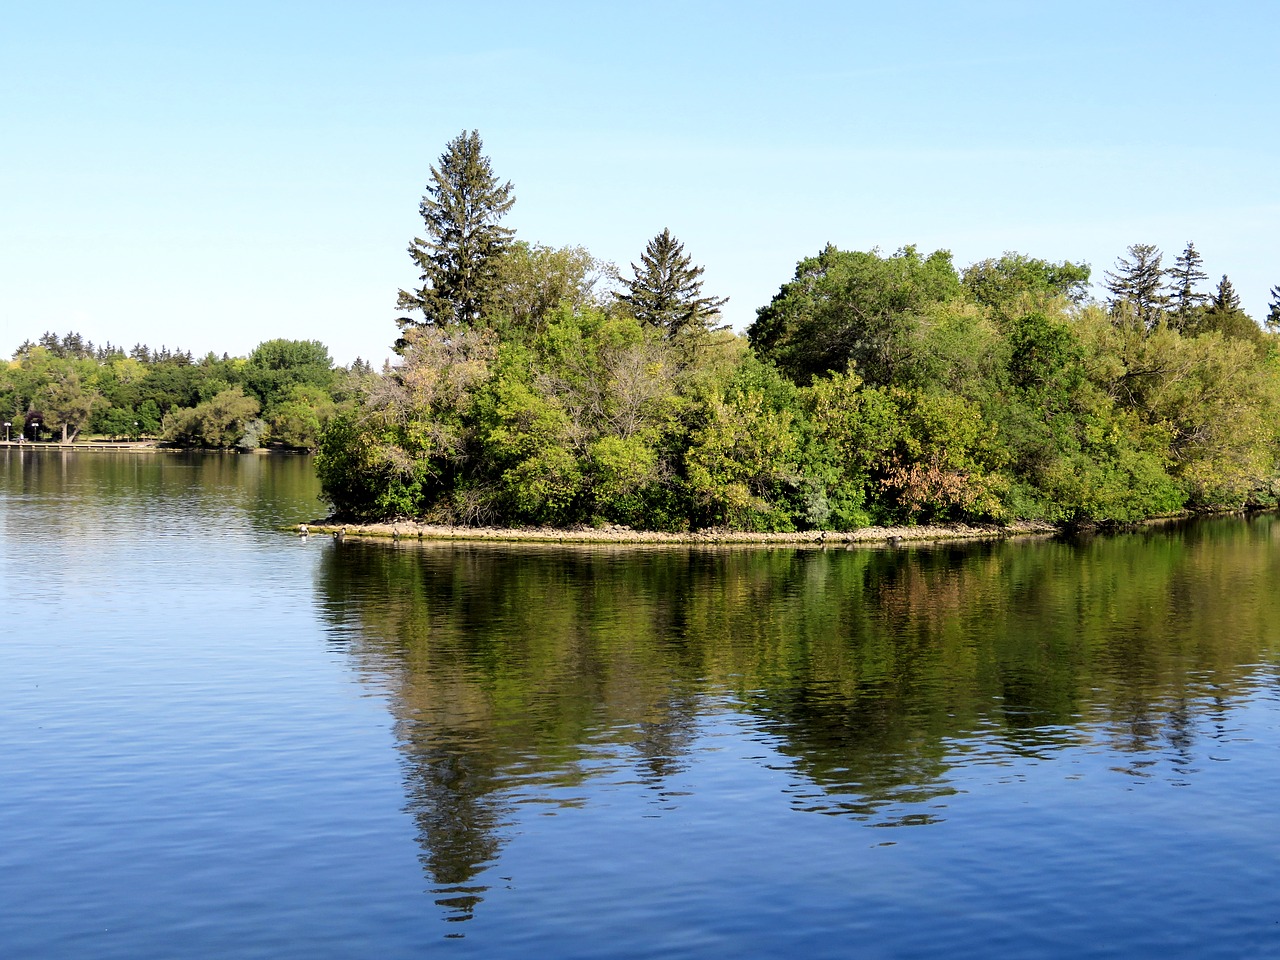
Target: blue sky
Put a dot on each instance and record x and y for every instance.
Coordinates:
(211, 176)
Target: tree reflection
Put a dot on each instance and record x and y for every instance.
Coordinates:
(528, 674)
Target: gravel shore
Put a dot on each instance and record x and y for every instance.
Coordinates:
(612, 534)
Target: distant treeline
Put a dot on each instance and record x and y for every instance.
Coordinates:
(539, 386)
(282, 393)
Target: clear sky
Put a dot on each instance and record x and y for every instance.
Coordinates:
(210, 176)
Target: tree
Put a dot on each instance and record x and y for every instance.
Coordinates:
(854, 307)
(1226, 316)
(999, 283)
(221, 421)
(1183, 277)
(464, 242)
(67, 399)
(1138, 282)
(1273, 311)
(531, 281)
(275, 366)
(666, 291)
(1225, 298)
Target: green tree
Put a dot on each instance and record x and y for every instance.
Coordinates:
(1273, 311)
(1225, 315)
(850, 306)
(1139, 283)
(532, 280)
(67, 399)
(298, 419)
(1000, 282)
(221, 421)
(1183, 277)
(666, 290)
(464, 243)
(276, 366)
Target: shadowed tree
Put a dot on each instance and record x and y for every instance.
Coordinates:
(666, 290)
(1273, 311)
(464, 241)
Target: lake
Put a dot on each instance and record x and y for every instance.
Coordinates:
(218, 739)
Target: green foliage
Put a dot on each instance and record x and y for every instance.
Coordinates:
(941, 466)
(464, 244)
(849, 431)
(1016, 280)
(741, 463)
(359, 476)
(1224, 315)
(871, 388)
(852, 307)
(298, 418)
(532, 281)
(221, 421)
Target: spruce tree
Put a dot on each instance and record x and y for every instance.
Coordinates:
(461, 208)
(1273, 311)
(1183, 277)
(1225, 315)
(1225, 299)
(1138, 282)
(666, 290)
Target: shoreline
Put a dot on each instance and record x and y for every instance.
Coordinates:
(620, 535)
(141, 446)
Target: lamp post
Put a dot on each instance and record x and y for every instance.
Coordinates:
(7, 425)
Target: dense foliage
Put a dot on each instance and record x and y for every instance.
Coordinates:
(282, 394)
(873, 388)
(538, 386)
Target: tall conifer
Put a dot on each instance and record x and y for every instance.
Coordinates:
(461, 208)
(1183, 277)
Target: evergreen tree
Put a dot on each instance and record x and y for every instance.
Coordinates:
(1225, 299)
(1273, 311)
(1226, 316)
(666, 290)
(461, 208)
(1183, 277)
(1138, 282)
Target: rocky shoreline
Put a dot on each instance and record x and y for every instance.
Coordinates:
(613, 534)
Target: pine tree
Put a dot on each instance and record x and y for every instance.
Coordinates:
(1183, 277)
(1225, 299)
(666, 290)
(1138, 282)
(461, 209)
(1273, 311)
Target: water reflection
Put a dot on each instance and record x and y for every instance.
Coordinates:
(886, 680)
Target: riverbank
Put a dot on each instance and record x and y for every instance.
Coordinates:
(613, 534)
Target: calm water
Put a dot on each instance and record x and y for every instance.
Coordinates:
(218, 740)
